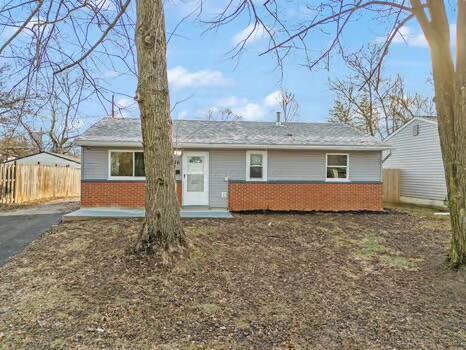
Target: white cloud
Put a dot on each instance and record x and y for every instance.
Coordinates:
(107, 5)
(406, 36)
(125, 102)
(126, 107)
(180, 77)
(232, 101)
(273, 100)
(250, 34)
(248, 110)
(31, 27)
(251, 110)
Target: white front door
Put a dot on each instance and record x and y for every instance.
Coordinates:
(195, 178)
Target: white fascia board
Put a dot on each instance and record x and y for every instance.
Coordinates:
(287, 147)
(84, 143)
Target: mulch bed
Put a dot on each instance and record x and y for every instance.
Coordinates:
(321, 281)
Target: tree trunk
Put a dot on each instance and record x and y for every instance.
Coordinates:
(162, 228)
(450, 97)
(457, 254)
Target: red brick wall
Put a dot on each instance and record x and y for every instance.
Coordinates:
(116, 194)
(305, 197)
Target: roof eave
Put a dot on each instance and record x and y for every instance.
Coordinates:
(182, 145)
(340, 147)
(94, 143)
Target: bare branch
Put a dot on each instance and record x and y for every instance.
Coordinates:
(21, 28)
(99, 41)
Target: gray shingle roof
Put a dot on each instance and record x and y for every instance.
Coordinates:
(199, 132)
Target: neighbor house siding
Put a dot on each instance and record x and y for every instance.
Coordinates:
(419, 159)
(48, 160)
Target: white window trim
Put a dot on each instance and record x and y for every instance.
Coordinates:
(110, 177)
(264, 165)
(340, 166)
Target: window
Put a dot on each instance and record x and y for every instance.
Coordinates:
(337, 167)
(256, 165)
(126, 164)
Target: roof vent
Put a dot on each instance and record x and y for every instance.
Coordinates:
(279, 119)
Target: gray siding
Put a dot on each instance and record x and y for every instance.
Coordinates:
(224, 163)
(94, 163)
(419, 159)
(296, 165)
(365, 166)
(310, 165)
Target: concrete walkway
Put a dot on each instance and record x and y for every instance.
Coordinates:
(19, 227)
(117, 213)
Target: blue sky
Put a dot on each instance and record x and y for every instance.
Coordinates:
(201, 69)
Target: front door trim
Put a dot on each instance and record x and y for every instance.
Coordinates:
(201, 200)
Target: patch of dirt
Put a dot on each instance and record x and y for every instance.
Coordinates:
(321, 281)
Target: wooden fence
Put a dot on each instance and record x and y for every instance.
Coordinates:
(391, 185)
(28, 183)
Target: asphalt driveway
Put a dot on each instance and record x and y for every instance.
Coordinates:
(19, 227)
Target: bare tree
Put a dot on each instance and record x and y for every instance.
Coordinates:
(288, 104)
(333, 19)
(341, 112)
(63, 106)
(222, 114)
(14, 146)
(52, 122)
(404, 106)
(373, 103)
(50, 38)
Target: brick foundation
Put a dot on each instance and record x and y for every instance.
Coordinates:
(305, 196)
(116, 194)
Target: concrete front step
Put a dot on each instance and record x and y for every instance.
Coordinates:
(120, 213)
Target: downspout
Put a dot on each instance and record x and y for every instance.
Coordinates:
(387, 156)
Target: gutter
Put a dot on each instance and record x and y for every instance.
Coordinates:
(387, 156)
(85, 143)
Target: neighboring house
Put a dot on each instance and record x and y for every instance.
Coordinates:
(416, 152)
(239, 165)
(48, 158)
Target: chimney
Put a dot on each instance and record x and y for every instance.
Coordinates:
(279, 119)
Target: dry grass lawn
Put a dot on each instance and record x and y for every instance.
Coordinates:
(321, 281)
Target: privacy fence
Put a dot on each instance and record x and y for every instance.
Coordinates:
(28, 183)
(391, 185)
